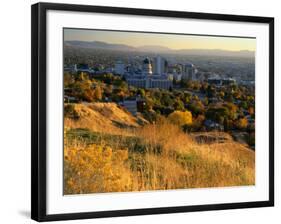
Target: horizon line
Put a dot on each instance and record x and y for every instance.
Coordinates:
(148, 45)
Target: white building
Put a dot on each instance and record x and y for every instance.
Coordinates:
(147, 79)
(138, 82)
(161, 83)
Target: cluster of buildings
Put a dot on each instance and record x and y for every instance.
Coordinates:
(219, 81)
(158, 73)
(155, 73)
(82, 67)
(78, 68)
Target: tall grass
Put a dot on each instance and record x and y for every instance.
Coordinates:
(159, 156)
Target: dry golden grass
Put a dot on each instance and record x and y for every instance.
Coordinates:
(169, 136)
(95, 169)
(171, 160)
(102, 117)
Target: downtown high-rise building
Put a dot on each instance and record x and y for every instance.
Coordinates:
(160, 65)
(188, 72)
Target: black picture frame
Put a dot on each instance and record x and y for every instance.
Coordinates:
(39, 122)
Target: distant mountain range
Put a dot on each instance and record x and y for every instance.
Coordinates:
(156, 49)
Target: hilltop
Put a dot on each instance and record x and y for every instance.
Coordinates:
(101, 117)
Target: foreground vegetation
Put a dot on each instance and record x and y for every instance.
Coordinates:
(111, 157)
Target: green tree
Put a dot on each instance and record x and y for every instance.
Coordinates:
(141, 92)
(178, 105)
(211, 91)
(217, 114)
(196, 107)
(166, 100)
(244, 105)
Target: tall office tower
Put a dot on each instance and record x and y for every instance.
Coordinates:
(188, 72)
(160, 65)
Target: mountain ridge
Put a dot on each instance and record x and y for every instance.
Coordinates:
(156, 48)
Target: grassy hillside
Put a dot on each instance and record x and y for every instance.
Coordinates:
(101, 117)
(106, 149)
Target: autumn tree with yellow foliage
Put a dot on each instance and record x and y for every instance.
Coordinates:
(180, 118)
(242, 123)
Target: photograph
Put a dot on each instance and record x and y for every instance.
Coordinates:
(149, 111)
(135, 112)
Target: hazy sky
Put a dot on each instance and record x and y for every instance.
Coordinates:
(167, 40)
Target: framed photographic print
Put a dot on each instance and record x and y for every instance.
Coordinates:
(139, 111)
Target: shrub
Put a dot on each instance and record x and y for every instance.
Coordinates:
(95, 169)
(70, 112)
(180, 118)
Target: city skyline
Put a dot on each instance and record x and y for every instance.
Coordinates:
(172, 41)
